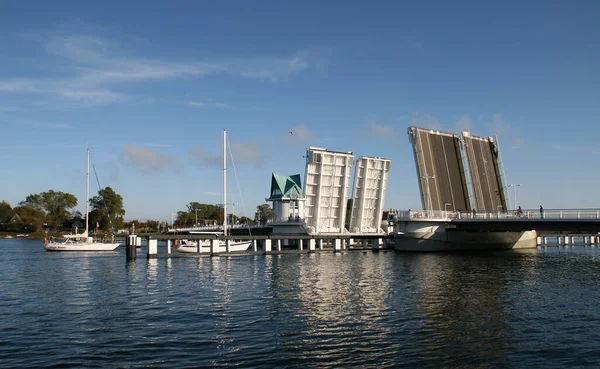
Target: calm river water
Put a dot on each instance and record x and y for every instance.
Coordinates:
(538, 308)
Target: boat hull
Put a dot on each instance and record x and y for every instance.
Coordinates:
(433, 236)
(81, 246)
(206, 247)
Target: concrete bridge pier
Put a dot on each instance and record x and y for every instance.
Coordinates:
(152, 249)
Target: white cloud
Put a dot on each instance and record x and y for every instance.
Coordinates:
(146, 160)
(91, 97)
(98, 67)
(208, 104)
(379, 130)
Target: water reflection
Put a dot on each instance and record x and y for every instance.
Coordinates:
(460, 301)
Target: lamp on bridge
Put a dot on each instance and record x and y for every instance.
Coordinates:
(515, 185)
(446, 208)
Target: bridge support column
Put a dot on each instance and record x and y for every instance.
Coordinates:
(268, 245)
(311, 244)
(152, 249)
(300, 244)
(320, 241)
(337, 244)
(169, 245)
(227, 245)
(278, 245)
(254, 247)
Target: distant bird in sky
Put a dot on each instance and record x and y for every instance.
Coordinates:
(291, 132)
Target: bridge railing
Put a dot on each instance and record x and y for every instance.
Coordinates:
(526, 214)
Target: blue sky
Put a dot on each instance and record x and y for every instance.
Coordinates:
(150, 87)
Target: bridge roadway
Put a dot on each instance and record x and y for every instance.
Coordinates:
(554, 221)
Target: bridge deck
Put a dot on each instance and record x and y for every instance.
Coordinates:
(552, 221)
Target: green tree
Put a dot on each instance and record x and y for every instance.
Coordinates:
(151, 226)
(58, 206)
(6, 212)
(114, 203)
(245, 220)
(31, 217)
(264, 212)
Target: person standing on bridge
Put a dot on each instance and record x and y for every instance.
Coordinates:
(541, 212)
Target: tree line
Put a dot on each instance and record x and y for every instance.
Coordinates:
(53, 211)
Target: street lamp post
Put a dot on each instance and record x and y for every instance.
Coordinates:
(446, 208)
(429, 203)
(515, 185)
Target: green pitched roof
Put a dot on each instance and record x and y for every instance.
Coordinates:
(285, 187)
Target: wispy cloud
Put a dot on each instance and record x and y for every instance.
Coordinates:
(299, 135)
(576, 149)
(498, 125)
(91, 97)
(246, 153)
(205, 158)
(380, 130)
(463, 123)
(414, 44)
(208, 104)
(8, 108)
(20, 121)
(98, 68)
(147, 161)
(425, 120)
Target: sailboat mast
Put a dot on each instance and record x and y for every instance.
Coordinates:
(225, 182)
(87, 192)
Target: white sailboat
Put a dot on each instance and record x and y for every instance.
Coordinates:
(192, 246)
(81, 242)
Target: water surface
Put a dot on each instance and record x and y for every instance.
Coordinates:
(536, 308)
